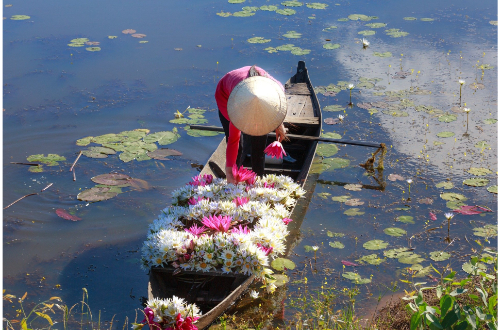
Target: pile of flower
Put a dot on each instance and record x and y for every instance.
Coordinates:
(171, 314)
(213, 225)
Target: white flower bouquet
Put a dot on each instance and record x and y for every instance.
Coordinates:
(213, 225)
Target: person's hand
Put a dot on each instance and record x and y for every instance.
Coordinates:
(229, 175)
(281, 133)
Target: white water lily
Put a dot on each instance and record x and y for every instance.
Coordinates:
(466, 109)
(254, 294)
(351, 86)
(315, 248)
(448, 216)
(461, 81)
(341, 117)
(409, 181)
(365, 42)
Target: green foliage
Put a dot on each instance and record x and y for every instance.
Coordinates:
(282, 263)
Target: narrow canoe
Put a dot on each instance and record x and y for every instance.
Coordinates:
(215, 291)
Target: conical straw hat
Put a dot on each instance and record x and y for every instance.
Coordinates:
(257, 106)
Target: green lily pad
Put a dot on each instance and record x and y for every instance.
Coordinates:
(336, 245)
(354, 202)
(286, 47)
(376, 25)
(317, 5)
(453, 197)
(112, 179)
(292, 3)
(93, 49)
(411, 259)
(493, 189)
(236, 1)
(201, 133)
(445, 185)
(292, 35)
(439, 255)
(282, 263)
(331, 135)
(371, 259)
(318, 168)
(494, 22)
(331, 27)
(375, 244)
(427, 19)
(395, 231)
(367, 32)
(334, 108)
(454, 204)
(355, 17)
(385, 54)
(112, 37)
(243, 13)
(332, 234)
(79, 40)
(269, 8)
(343, 19)
(49, 160)
(365, 84)
(258, 40)
(326, 150)
(98, 152)
(96, 194)
(132, 136)
(438, 143)
(85, 141)
(224, 14)
(356, 278)
(490, 121)
(286, 11)
(163, 138)
(410, 18)
(421, 271)
(331, 46)
(324, 195)
(445, 134)
(486, 231)
(271, 50)
(36, 169)
(76, 45)
(481, 145)
(405, 219)
(341, 199)
(299, 51)
(106, 138)
(353, 212)
(447, 118)
(395, 113)
(477, 182)
(161, 154)
(250, 8)
(474, 270)
(19, 17)
(485, 67)
(396, 33)
(479, 171)
(396, 253)
(308, 248)
(179, 121)
(281, 280)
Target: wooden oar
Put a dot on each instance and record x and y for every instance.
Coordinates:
(301, 137)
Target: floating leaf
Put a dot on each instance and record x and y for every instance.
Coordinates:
(98, 152)
(163, 138)
(445, 184)
(354, 202)
(269, 8)
(405, 219)
(336, 245)
(454, 204)
(445, 134)
(395, 231)
(161, 154)
(224, 14)
(410, 18)
(493, 189)
(282, 263)
(426, 200)
(485, 67)
(476, 182)
(281, 280)
(93, 49)
(341, 199)
(453, 197)
(286, 11)
(244, 13)
(367, 32)
(353, 187)
(356, 278)
(65, 215)
(375, 244)
(201, 133)
(19, 17)
(396, 113)
(411, 259)
(96, 194)
(292, 3)
(143, 42)
(139, 184)
(490, 121)
(486, 231)
(326, 150)
(371, 259)
(36, 169)
(76, 45)
(331, 135)
(334, 108)
(394, 177)
(396, 33)
(271, 50)
(112, 179)
(385, 54)
(316, 5)
(427, 19)
(331, 46)
(376, 25)
(343, 19)
(474, 270)
(292, 35)
(308, 248)
(299, 51)
(112, 37)
(396, 253)
(129, 31)
(355, 17)
(447, 118)
(258, 40)
(494, 22)
(250, 8)
(286, 47)
(331, 121)
(353, 212)
(481, 145)
(439, 255)
(50, 159)
(332, 234)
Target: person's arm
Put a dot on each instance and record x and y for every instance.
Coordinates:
(233, 143)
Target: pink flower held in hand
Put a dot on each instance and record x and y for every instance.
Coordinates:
(195, 230)
(241, 200)
(275, 149)
(218, 222)
(242, 174)
(287, 220)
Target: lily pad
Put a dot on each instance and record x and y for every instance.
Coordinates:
(486, 231)
(62, 213)
(398, 232)
(326, 150)
(49, 160)
(479, 171)
(353, 187)
(448, 118)
(286, 11)
(490, 121)
(201, 133)
(163, 138)
(96, 194)
(439, 255)
(331, 135)
(375, 244)
(161, 154)
(427, 19)
(243, 13)
(93, 49)
(317, 5)
(371, 259)
(336, 245)
(308, 248)
(98, 152)
(493, 189)
(411, 259)
(292, 3)
(445, 185)
(129, 31)
(353, 212)
(19, 17)
(79, 40)
(282, 263)
(285, 47)
(334, 108)
(445, 134)
(269, 8)
(453, 197)
(331, 46)
(396, 253)
(481, 145)
(281, 280)
(477, 182)
(395, 113)
(332, 234)
(474, 270)
(354, 202)
(355, 17)
(410, 18)
(376, 25)
(356, 278)
(112, 179)
(258, 40)
(36, 169)
(292, 35)
(396, 33)
(299, 51)
(367, 32)
(341, 199)
(224, 14)
(385, 54)
(405, 219)
(394, 177)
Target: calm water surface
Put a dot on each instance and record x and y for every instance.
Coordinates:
(55, 95)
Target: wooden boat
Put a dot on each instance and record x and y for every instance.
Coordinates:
(214, 292)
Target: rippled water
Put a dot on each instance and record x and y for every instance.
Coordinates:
(55, 95)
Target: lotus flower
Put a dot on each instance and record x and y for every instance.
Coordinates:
(217, 222)
(240, 200)
(240, 230)
(243, 175)
(287, 220)
(195, 230)
(275, 149)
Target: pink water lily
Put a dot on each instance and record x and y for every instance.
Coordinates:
(244, 175)
(433, 216)
(240, 200)
(218, 222)
(194, 201)
(267, 185)
(267, 250)
(240, 230)
(348, 263)
(195, 230)
(287, 220)
(275, 149)
(471, 209)
(201, 180)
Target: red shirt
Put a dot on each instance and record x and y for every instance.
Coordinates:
(224, 88)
